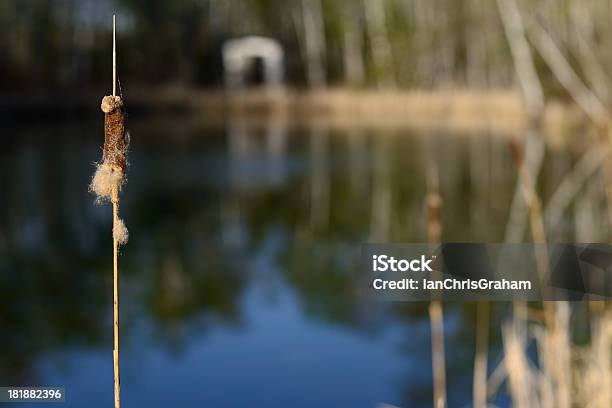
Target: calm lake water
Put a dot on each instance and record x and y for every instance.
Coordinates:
(237, 284)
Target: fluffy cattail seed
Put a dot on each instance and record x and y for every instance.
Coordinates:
(105, 178)
(120, 232)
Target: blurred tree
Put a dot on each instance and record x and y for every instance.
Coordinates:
(390, 43)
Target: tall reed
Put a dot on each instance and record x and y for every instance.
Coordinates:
(436, 312)
(107, 182)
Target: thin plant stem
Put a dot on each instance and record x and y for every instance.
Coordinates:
(114, 60)
(480, 360)
(436, 313)
(115, 199)
(436, 317)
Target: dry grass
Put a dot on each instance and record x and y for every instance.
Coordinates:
(520, 377)
(564, 375)
(592, 377)
(458, 109)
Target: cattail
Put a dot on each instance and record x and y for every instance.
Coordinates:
(110, 174)
(114, 132)
(106, 185)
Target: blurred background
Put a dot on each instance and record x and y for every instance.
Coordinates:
(269, 139)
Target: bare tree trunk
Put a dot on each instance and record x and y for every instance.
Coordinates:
(423, 15)
(475, 42)
(314, 42)
(354, 71)
(380, 45)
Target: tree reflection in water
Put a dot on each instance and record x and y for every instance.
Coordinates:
(203, 208)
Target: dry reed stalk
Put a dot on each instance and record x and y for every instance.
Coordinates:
(595, 380)
(436, 313)
(517, 366)
(116, 384)
(106, 184)
(554, 341)
(592, 367)
(524, 196)
(533, 159)
(530, 196)
(536, 222)
(480, 359)
(552, 385)
(566, 376)
(554, 352)
(560, 67)
(570, 186)
(531, 87)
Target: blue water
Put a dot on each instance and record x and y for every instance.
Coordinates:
(237, 284)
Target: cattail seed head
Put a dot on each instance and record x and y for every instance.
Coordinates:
(114, 132)
(516, 151)
(110, 174)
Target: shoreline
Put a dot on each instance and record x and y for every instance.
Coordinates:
(457, 109)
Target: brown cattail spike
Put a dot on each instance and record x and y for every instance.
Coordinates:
(114, 132)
